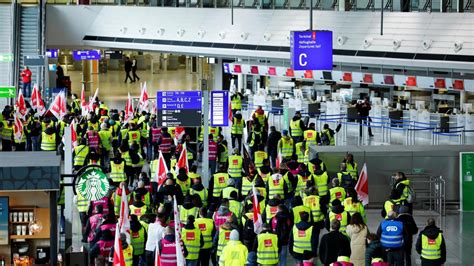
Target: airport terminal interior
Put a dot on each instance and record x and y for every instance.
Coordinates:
(241, 132)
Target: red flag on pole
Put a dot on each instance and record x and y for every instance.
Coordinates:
(143, 101)
(257, 217)
(119, 259)
(128, 109)
(21, 105)
(92, 101)
(84, 105)
(362, 186)
(157, 255)
(179, 132)
(183, 160)
(230, 111)
(177, 230)
(162, 170)
(278, 161)
(123, 226)
(18, 128)
(73, 134)
(58, 107)
(37, 102)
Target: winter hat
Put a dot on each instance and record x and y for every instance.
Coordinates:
(234, 235)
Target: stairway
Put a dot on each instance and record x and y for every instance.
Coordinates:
(5, 46)
(29, 36)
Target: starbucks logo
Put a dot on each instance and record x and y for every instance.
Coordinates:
(93, 184)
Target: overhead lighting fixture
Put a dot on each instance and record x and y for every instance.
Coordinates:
(201, 33)
(222, 35)
(458, 46)
(368, 42)
(123, 30)
(341, 40)
(142, 31)
(161, 31)
(180, 32)
(427, 44)
(244, 35)
(267, 36)
(396, 44)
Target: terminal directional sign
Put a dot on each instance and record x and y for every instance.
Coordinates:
(179, 108)
(86, 55)
(7, 92)
(34, 60)
(219, 108)
(311, 50)
(6, 57)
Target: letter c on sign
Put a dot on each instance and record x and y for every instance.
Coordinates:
(303, 62)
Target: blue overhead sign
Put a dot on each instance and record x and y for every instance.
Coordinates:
(178, 100)
(219, 108)
(86, 55)
(311, 50)
(52, 53)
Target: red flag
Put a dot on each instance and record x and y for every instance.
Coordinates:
(18, 128)
(179, 132)
(162, 170)
(119, 260)
(183, 160)
(143, 101)
(278, 161)
(257, 217)
(58, 107)
(92, 101)
(177, 230)
(73, 134)
(123, 226)
(37, 102)
(128, 109)
(230, 111)
(21, 105)
(84, 105)
(157, 256)
(362, 186)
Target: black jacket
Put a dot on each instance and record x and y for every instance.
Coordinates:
(272, 142)
(337, 210)
(283, 227)
(410, 225)
(333, 244)
(373, 250)
(314, 242)
(432, 232)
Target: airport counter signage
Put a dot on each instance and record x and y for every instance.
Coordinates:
(179, 108)
(311, 50)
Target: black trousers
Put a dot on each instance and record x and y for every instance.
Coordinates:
(204, 257)
(127, 76)
(134, 73)
(366, 121)
(150, 258)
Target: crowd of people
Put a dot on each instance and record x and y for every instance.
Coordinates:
(305, 212)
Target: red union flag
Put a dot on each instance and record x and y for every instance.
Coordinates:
(37, 102)
(58, 107)
(179, 132)
(17, 128)
(257, 217)
(362, 186)
(162, 170)
(143, 101)
(123, 226)
(128, 109)
(21, 105)
(84, 105)
(183, 160)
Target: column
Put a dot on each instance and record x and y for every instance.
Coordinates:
(217, 73)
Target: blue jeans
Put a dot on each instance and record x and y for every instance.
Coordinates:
(27, 89)
(35, 145)
(282, 256)
(212, 167)
(191, 262)
(252, 259)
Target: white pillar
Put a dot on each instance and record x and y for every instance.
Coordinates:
(217, 69)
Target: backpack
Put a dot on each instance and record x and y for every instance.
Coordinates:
(325, 139)
(396, 206)
(347, 181)
(411, 195)
(248, 233)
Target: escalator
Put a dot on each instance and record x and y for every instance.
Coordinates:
(28, 39)
(6, 31)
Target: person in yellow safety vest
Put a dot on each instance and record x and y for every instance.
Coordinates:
(122, 188)
(193, 172)
(81, 154)
(298, 209)
(138, 237)
(222, 237)
(198, 189)
(105, 137)
(229, 189)
(138, 207)
(7, 135)
(303, 243)
(237, 131)
(82, 205)
(297, 128)
(183, 180)
(351, 166)
(337, 212)
(311, 136)
(299, 151)
(133, 135)
(318, 209)
(154, 166)
(61, 125)
(192, 239)
(236, 102)
(215, 131)
(127, 250)
(392, 204)
(235, 206)
(271, 208)
(117, 169)
(346, 180)
(352, 204)
(321, 181)
(254, 139)
(247, 184)
(327, 136)
(342, 261)
(285, 146)
(235, 165)
(276, 185)
(206, 226)
(259, 115)
(259, 156)
(217, 183)
(431, 245)
(20, 144)
(315, 163)
(336, 192)
(234, 253)
(267, 246)
(49, 140)
(222, 151)
(402, 185)
(187, 209)
(304, 177)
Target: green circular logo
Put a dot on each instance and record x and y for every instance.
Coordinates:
(93, 184)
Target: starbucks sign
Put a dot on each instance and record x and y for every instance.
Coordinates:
(93, 184)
